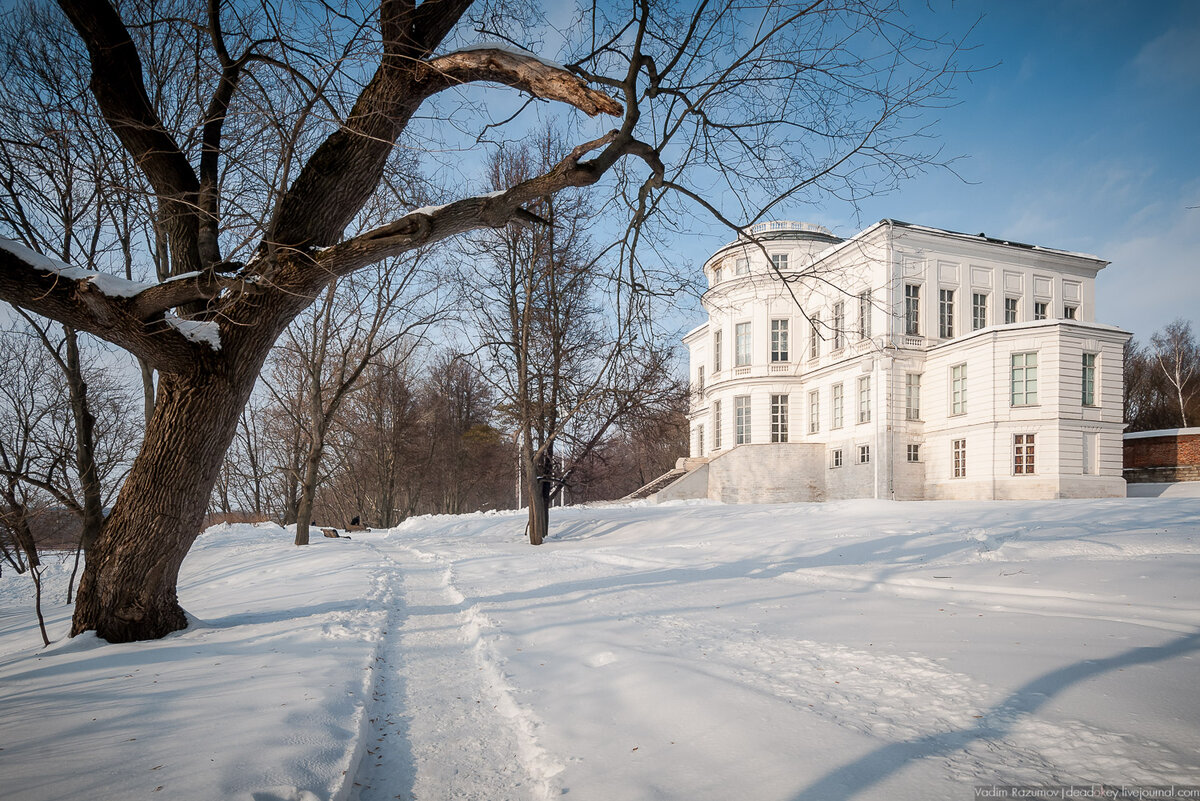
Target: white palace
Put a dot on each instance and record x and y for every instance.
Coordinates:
(905, 362)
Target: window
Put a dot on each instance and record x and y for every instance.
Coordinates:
(837, 405)
(839, 325)
(958, 458)
(1089, 453)
(700, 378)
(779, 418)
(1070, 312)
(1024, 379)
(699, 440)
(1010, 310)
(945, 313)
(716, 275)
(741, 345)
(779, 341)
(978, 310)
(1089, 379)
(1022, 454)
(914, 453)
(864, 454)
(912, 396)
(864, 315)
(912, 310)
(814, 344)
(741, 267)
(864, 399)
(1040, 310)
(958, 389)
(716, 352)
(741, 419)
(814, 411)
(779, 261)
(835, 458)
(716, 425)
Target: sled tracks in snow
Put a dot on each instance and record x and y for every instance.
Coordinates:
(444, 724)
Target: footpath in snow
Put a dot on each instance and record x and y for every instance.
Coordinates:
(853, 650)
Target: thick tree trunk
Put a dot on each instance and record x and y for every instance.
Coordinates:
(538, 488)
(127, 591)
(308, 487)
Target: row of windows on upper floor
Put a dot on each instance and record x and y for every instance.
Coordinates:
(1023, 391)
(980, 311)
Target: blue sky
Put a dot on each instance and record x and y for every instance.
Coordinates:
(1084, 136)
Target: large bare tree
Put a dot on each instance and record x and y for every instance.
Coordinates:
(768, 99)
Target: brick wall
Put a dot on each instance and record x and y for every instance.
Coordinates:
(1172, 453)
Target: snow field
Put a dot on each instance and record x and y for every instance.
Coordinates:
(851, 650)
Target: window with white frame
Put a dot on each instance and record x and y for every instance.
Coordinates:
(699, 440)
(700, 378)
(716, 425)
(716, 352)
(839, 325)
(741, 345)
(979, 304)
(1010, 310)
(864, 454)
(835, 458)
(814, 343)
(1022, 454)
(864, 315)
(958, 389)
(945, 313)
(1088, 386)
(958, 458)
(912, 396)
(914, 453)
(779, 261)
(864, 399)
(741, 420)
(779, 418)
(1070, 312)
(838, 403)
(741, 266)
(1024, 379)
(716, 275)
(779, 341)
(912, 310)
(814, 411)
(1040, 310)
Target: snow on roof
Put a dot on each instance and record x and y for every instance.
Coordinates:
(1164, 432)
(993, 240)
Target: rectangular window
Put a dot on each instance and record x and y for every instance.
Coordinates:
(1010, 310)
(958, 389)
(741, 345)
(700, 378)
(716, 352)
(835, 458)
(864, 454)
(741, 267)
(864, 399)
(779, 418)
(699, 440)
(1089, 379)
(839, 325)
(958, 458)
(914, 453)
(779, 261)
(912, 310)
(814, 411)
(912, 396)
(978, 310)
(1022, 454)
(814, 344)
(1024, 379)
(779, 341)
(741, 419)
(716, 425)
(864, 315)
(1040, 310)
(1070, 312)
(838, 403)
(945, 313)
(716, 275)
(1089, 453)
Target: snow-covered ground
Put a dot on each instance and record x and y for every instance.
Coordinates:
(852, 650)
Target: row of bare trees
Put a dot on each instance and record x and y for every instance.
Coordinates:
(1162, 379)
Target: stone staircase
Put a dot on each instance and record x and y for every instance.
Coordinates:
(654, 486)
